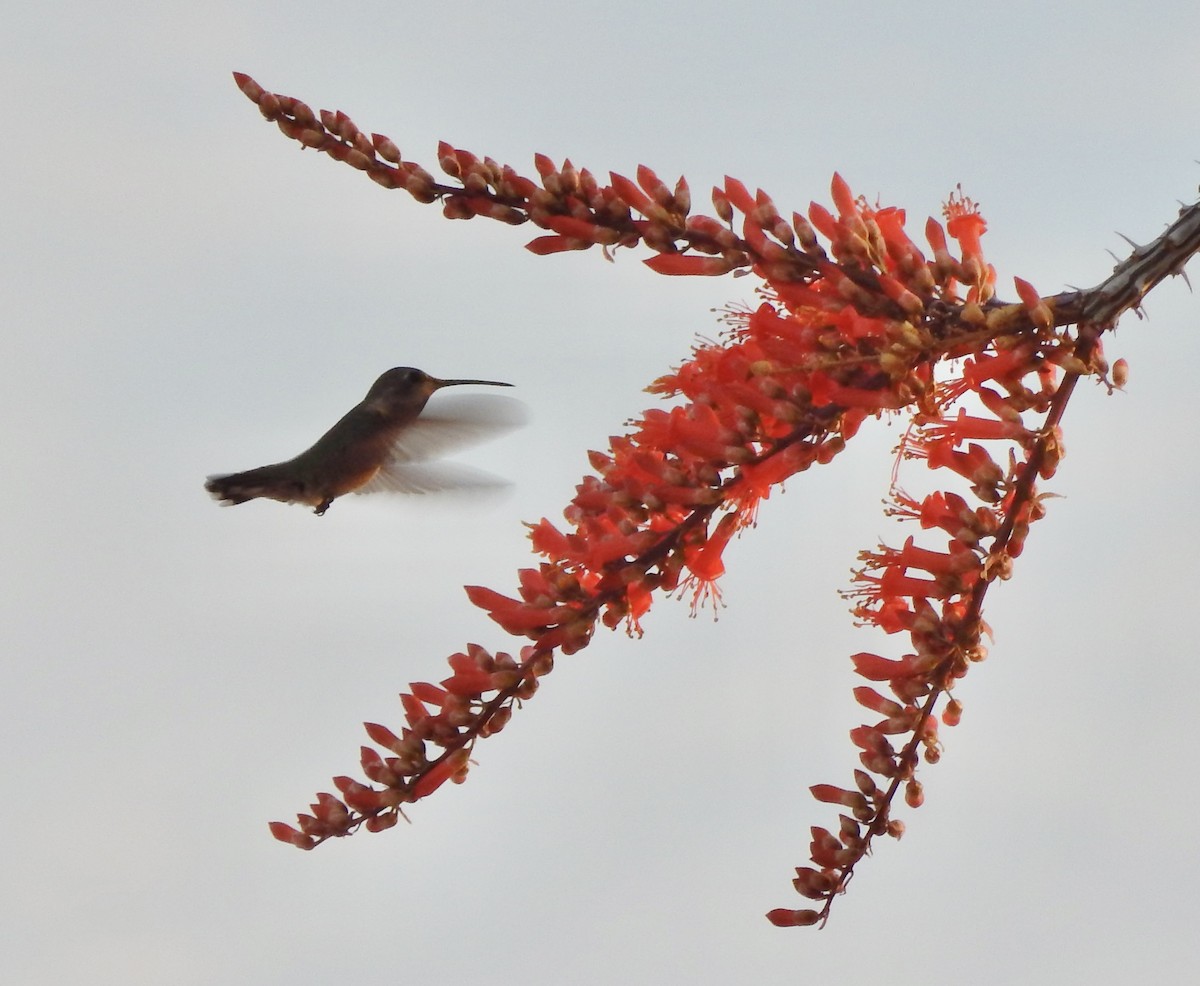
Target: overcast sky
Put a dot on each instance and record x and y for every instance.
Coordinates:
(186, 292)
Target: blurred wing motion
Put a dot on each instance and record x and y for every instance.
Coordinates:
(449, 424)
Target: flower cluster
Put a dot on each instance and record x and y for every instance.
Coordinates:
(855, 320)
(935, 594)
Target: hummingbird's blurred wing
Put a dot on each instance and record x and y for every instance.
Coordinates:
(449, 423)
(407, 477)
(456, 421)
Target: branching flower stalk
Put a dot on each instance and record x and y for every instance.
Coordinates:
(855, 321)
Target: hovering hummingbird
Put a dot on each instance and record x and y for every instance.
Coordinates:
(373, 446)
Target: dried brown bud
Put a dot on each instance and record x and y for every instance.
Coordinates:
(1120, 373)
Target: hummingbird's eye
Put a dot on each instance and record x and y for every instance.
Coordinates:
(405, 376)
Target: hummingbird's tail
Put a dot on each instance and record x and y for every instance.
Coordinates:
(265, 481)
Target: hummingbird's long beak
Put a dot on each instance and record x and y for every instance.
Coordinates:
(438, 384)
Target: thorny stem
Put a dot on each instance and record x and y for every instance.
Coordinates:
(1133, 278)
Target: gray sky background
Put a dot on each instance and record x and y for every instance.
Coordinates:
(185, 292)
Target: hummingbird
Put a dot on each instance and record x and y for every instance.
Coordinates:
(373, 446)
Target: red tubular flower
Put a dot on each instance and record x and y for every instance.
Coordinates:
(825, 223)
(360, 797)
(602, 549)
(548, 539)
(950, 513)
(468, 682)
(1008, 364)
(766, 250)
(708, 228)
(688, 265)
(876, 668)
(913, 306)
(384, 737)
(285, 833)
(855, 326)
(839, 796)
(696, 430)
(1039, 311)
(975, 464)
(441, 772)
(581, 229)
(633, 196)
(958, 560)
(843, 198)
(756, 479)
(681, 197)
(486, 208)
(826, 849)
(738, 196)
(944, 265)
(722, 206)
(427, 693)
(871, 699)
(964, 426)
(543, 246)
(901, 248)
(826, 391)
(376, 769)
(414, 711)
(967, 226)
(704, 561)
(895, 582)
(515, 616)
(815, 884)
(654, 187)
(890, 615)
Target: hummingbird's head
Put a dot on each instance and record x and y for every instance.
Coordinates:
(408, 387)
(402, 382)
